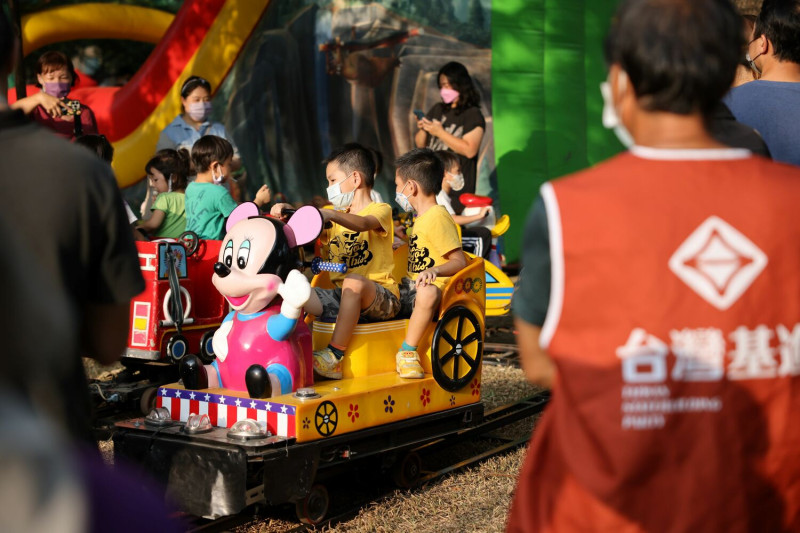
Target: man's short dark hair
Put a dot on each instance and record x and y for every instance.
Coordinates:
(779, 20)
(354, 157)
(680, 55)
(423, 166)
(210, 148)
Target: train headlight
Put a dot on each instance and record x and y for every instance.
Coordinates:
(158, 417)
(197, 424)
(247, 429)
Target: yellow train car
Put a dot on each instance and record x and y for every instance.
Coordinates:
(218, 450)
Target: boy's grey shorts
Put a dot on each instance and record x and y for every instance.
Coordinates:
(385, 306)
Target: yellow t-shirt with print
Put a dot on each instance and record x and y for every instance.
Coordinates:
(368, 253)
(433, 235)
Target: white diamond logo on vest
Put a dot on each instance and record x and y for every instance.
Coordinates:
(717, 262)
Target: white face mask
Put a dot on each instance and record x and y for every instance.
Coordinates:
(402, 200)
(611, 119)
(217, 179)
(339, 199)
(457, 181)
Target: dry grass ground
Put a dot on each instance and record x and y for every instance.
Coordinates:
(472, 500)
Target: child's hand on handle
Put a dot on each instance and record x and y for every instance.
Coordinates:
(277, 209)
(263, 196)
(426, 277)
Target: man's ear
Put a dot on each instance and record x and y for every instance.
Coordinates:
(763, 44)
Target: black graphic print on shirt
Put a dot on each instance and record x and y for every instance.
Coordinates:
(418, 257)
(348, 249)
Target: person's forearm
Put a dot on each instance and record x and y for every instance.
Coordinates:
(27, 104)
(453, 266)
(466, 219)
(536, 363)
(458, 145)
(421, 139)
(354, 222)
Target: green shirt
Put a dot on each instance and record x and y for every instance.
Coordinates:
(207, 207)
(174, 208)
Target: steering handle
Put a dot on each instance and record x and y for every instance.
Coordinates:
(318, 265)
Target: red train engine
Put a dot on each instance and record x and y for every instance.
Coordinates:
(180, 309)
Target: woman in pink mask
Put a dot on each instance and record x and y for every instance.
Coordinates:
(455, 124)
(195, 120)
(52, 108)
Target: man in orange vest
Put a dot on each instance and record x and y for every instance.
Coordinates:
(660, 300)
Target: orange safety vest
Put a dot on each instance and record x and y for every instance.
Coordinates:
(674, 324)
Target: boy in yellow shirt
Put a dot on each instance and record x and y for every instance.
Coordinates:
(360, 236)
(434, 252)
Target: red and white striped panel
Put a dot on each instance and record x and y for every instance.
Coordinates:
(224, 411)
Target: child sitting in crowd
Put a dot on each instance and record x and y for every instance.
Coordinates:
(208, 204)
(361, 237)
(477, 239)
(434, 252)
(167, 173)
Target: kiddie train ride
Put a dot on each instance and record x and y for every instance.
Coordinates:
(219, 446)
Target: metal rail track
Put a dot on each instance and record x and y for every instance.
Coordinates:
(493, 420)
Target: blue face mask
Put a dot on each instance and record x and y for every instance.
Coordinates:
(402, 200)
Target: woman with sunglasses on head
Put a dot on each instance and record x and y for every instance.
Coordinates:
(194, 120)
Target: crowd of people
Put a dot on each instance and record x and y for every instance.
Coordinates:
(658, 299)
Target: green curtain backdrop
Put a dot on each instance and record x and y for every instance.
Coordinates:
(547, 64)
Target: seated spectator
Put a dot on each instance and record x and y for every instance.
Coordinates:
(208, 203)
(168, 172)
(476, 239)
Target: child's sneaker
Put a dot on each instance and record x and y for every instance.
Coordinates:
(408, 365)
(326, 364)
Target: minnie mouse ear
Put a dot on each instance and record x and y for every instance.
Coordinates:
(304, 226)
(242, 212)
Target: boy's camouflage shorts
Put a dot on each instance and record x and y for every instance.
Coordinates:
(385, 306)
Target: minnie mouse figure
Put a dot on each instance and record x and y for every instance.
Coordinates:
(262, 346)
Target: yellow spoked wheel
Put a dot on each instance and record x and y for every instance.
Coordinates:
(456, 349)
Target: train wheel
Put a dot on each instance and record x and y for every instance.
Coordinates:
(313, 508)
(407, 472)
(148, 400)
(190, 241)
(207, 354)
(456, 349)
(177, 347)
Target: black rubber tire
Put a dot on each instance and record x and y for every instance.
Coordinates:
(177, 348)
(407, 472)
(313, 508)
(148, 400)
(206, 352)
